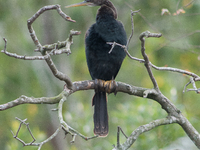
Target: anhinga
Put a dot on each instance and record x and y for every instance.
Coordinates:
(102, 63)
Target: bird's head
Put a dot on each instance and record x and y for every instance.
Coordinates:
(88, 3)
(106, 5)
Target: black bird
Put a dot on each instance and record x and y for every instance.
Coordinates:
(102, 63)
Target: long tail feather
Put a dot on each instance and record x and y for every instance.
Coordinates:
(100, 114)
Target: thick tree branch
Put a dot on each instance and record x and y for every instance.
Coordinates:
(77, 86)
(121, 87)
(31, 100)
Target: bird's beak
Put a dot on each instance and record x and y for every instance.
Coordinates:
(84, 3)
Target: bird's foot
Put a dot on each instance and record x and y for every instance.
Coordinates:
(110, 86)
(107, 86)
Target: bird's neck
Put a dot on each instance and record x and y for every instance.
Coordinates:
(112, 7)
(107, 9)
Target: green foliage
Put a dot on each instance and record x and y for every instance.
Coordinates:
(178, 47)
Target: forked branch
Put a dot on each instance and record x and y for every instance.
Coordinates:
(147, 34)
(49, 61)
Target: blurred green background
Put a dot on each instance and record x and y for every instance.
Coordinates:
(178, 47)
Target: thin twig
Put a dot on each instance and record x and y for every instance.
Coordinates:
(64, 125)
(192, 1)
(64, 45)
(132, 27)
(50, 138)
(194, 86)
(16, 135)
(147, 62)
(20, 56)
(5, 40)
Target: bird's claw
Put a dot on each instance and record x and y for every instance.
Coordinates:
(110, 86)
(107, 86)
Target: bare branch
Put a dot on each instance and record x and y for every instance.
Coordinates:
(113, 45)
(197, 78)
(31, 100)
(64, 125)
(64, 46)
(55, 49)
(146, 63)
(20, 140)
(118, 136)
(20, 56)
(77, 86)
(49, 61)
(27, 125)
(50, 138)
(192, 81)
(175, 70)
(5, 40)
(144, 128)
(192, 1)
(37, 14)
(32, 143)
(58, 74)
(132, 27)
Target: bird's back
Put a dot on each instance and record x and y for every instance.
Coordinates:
(102, 64)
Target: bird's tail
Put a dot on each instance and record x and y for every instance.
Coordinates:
(100, 114)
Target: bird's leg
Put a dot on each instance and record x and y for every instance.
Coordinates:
(107, 86)
(110, 86)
